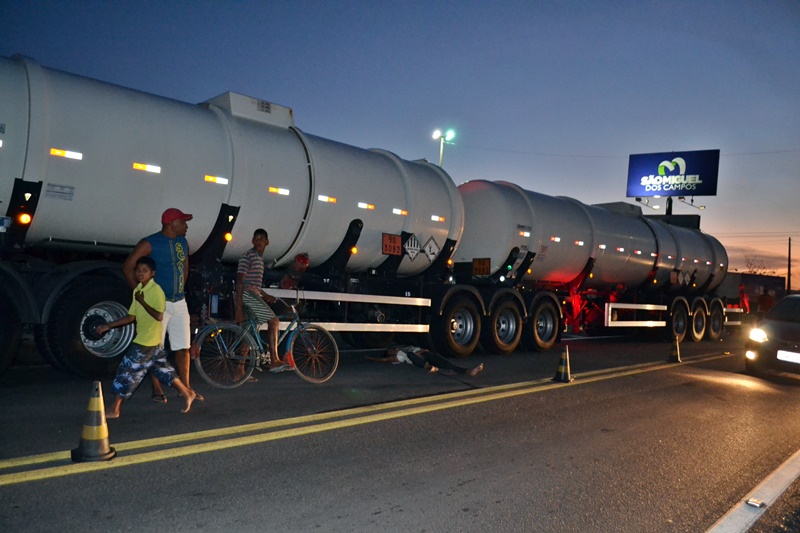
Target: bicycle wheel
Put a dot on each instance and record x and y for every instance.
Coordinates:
(225, 355)
(315, 353)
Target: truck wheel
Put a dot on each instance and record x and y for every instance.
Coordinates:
(502, 329)
(716, 323)
(678, 322)
(71, 331)
(10, 332)
(698, 323)
(43, 347)
(457, 331)
(541, 331)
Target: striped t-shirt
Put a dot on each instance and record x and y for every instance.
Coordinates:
(252, 266)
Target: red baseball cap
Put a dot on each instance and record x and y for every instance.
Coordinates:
(172, 214)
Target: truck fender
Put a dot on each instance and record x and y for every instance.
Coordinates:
(507, 293)
(539, 295)
(53, 285)
(472, 292)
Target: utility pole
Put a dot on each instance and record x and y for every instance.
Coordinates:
(789, 274)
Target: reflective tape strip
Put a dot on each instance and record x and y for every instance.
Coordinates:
(94, 432)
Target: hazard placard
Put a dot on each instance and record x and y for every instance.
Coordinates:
(392, 244)
(431, 249)
(481, 266)
(412, 247)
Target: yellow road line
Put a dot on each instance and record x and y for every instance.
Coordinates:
(404, 408)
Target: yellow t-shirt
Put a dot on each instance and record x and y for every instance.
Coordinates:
(148, 329)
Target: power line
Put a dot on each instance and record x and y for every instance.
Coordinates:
(761, 233)
(585, 156)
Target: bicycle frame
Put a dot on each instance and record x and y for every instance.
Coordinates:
(222, 351)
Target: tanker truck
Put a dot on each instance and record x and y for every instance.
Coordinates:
(396, 249)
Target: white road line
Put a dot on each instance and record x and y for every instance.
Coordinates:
(749, 510)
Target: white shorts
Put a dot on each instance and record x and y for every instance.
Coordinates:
(176, 325)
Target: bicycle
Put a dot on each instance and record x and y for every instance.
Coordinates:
(226, 354)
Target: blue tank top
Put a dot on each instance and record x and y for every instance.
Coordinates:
(170, 256)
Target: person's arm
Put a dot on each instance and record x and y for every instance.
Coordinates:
(387, 359)
(186, 266)
(158, 315)
(129, 267)
(239, 312)
(124, 321)
(269, 300)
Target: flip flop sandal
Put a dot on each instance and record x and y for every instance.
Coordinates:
(158, 398)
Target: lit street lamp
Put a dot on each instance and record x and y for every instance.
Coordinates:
(448, 136)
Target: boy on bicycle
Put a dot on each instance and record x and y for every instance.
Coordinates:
(249, 280)
(145, 352)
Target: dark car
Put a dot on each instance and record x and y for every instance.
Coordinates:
(774, 343)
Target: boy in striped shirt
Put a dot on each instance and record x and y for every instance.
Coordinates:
(249, 280)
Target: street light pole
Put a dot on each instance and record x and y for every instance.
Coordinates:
(448, 136)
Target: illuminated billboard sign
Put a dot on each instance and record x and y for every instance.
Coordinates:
(673, 174)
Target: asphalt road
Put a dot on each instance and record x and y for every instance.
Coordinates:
(632, 444)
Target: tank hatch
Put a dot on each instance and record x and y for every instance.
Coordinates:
(250, 108)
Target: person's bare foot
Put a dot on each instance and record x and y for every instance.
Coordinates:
(433, 369)
(112, 414)
(192, 396)
(198, 396)
(475, 371)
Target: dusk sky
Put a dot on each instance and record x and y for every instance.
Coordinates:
(553, 96)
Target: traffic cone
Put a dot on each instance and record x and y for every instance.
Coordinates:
(675, 356)
(562, 374)
(94, 437)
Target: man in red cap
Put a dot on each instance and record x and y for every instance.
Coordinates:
(170, 251)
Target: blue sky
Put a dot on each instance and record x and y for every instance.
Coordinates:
(553, 96)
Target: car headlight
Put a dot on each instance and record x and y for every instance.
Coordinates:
(758, 335)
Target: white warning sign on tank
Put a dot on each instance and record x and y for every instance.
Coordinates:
(412, 247)
(431, 249)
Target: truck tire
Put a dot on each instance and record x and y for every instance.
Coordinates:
(699, 322)
(502, 329)
(457, 330)
(10, 332)
(716, 323)
(70, 331)
(541, 331)
(43, 347)
(678, 322)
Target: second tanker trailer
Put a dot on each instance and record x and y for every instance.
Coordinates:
(396, 248)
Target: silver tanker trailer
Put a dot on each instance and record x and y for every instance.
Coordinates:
(86, 168)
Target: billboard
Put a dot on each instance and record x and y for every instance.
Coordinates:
(673, 174)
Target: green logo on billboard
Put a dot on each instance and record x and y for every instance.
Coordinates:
(671, 166)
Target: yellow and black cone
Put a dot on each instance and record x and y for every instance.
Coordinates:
(94, 437)
(675, 356)
(562, 374)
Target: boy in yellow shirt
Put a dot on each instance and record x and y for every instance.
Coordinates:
(145, 352)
